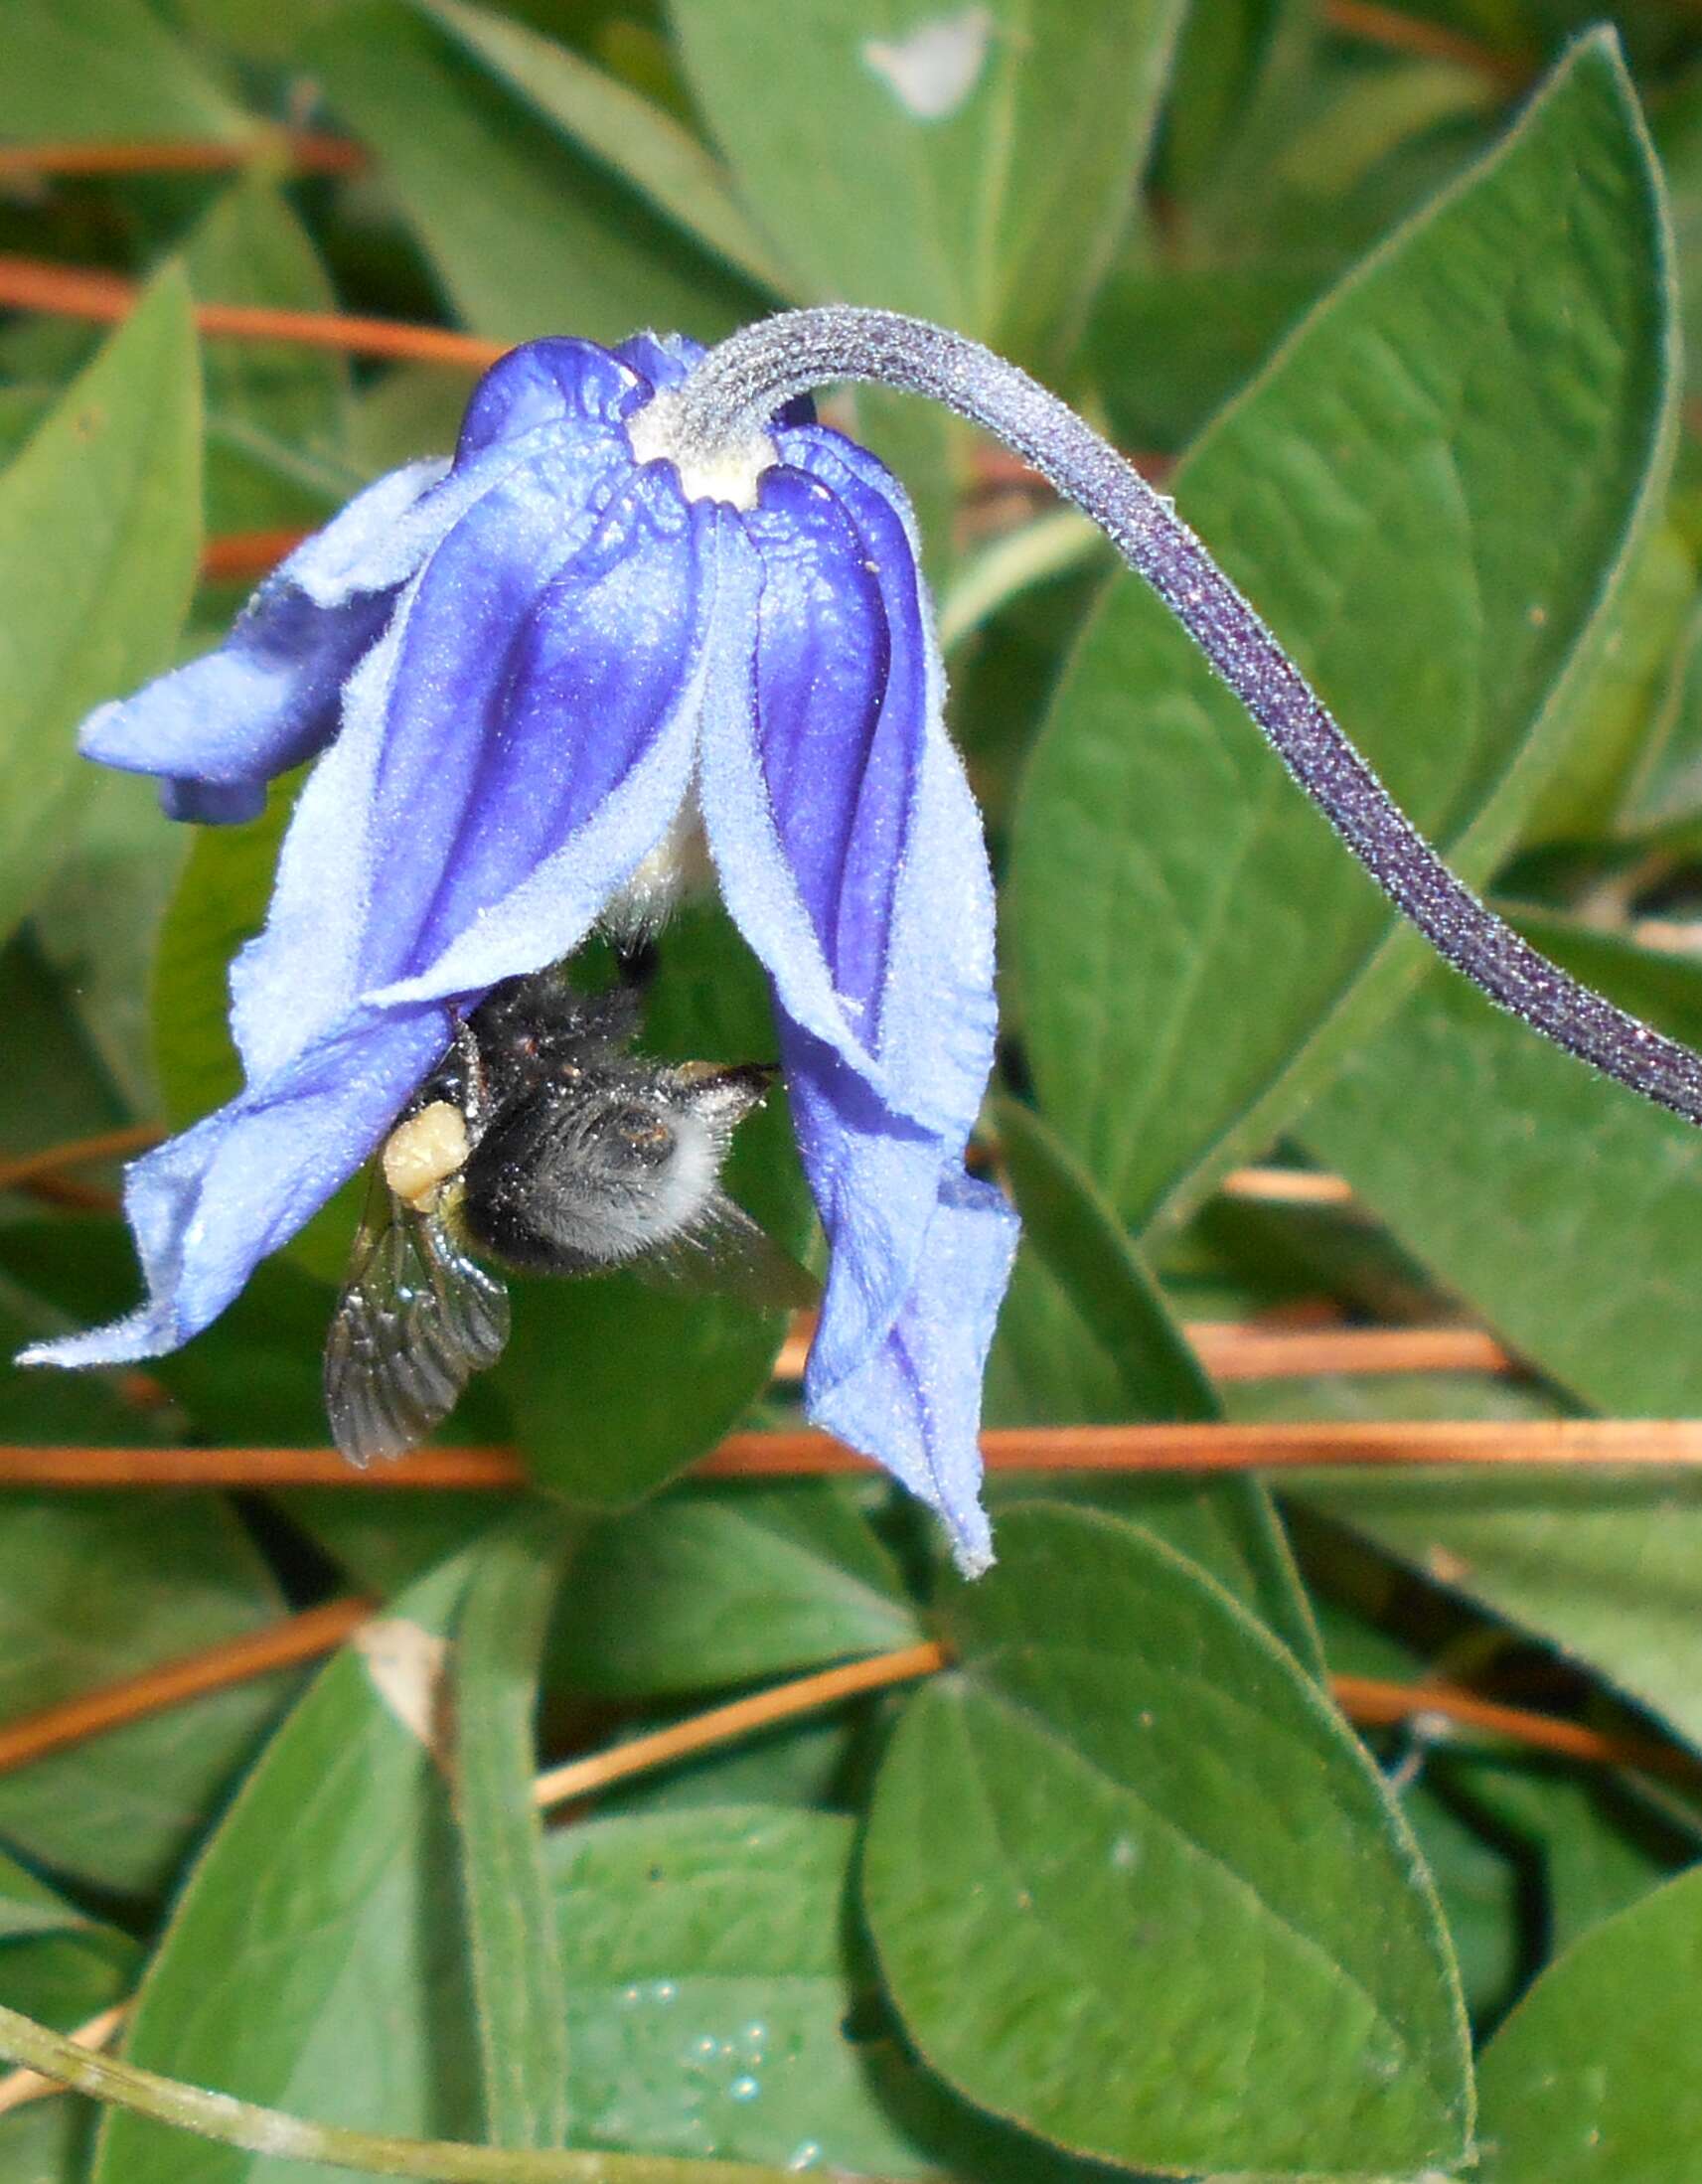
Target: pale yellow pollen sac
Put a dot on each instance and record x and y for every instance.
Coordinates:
(731, 474)
(422, 1153)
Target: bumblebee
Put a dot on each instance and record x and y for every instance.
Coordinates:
(542, 1143)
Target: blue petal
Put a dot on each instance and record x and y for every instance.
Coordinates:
(847, 842)
(554, 386)
(267, 697)
(515, 743)
(921, 1254)
(206, 1206)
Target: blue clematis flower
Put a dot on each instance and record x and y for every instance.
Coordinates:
(528, 675)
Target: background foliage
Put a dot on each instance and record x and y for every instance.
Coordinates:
(1392, 296)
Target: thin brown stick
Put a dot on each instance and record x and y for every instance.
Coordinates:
(17, 2087)
(1372, 1703)
(1286, 1186)
(239, 554)
(1247, 1350)
(282, 1644)
(304, 152)
(807, 1695)
(110, 1144)
(1559, 1445)
(1402, 33)
(33, 285)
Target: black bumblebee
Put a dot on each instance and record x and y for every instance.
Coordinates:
(540, 1140)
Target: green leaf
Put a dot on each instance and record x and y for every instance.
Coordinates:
(1592, 2079)
(1085, 1338)
(516, 1973)
(1564, 1208)
(973, 165)
(1602, 1569)
(1428, 495)
(61, 1968)
(104, 67)
(274, 409)
(88, 1596)
(615, 1386)
(1135, 1885)
(725, 1587)
(708, 1994)
(528, 236)
(617, 125)
(315, 1960)
(98, 921)
(99, 535)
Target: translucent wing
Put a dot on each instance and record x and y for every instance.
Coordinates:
(416, 1320)
(725, 1253)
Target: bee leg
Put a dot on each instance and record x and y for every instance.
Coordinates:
(476, 1095)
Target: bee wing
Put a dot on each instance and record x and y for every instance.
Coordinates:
(415, 1321)
(725, 1253)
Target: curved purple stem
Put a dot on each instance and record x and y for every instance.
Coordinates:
(737, 388)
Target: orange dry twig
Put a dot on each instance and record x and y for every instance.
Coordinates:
(1372, 1703)
(19, 2086)
(305, 151)
(238, 553)
(1564, 1443)
(110, 1144)
(1251, 1350)
(1402, 33)
(807, 1695)
(33, 285)
(238, 1660)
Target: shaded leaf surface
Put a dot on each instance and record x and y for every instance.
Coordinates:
(1087, 1813)
(100, 532)
(315, 1961)
(727, 1587)
(1592, 2079)
(1425, 495)
(970, 164)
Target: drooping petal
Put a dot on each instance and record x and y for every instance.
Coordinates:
(847, 842)
(206, 1206)
(510, 749)
(920, 1256)
(267, 697)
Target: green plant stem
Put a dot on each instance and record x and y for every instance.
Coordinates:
(234, 2122)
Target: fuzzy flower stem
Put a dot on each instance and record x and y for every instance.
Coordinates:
(230, 2122)
(736, 390)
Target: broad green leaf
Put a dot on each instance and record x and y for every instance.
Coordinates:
(1135, 1885)
(614, 1386)
(710, 1998)
(726, 1586)
(971, 164)
(97, 920)
(516, 1972)
(1592, 2079)
(54, 1087)
(275, 410)
(1426, 493)
(1085, 1338)
(28, 1908)
(315, 1960)
(617, 125)
(1564, 1208)
(527, 236)
(104, 67)
(87, 1596)
(99, 534)
(62, 1976)
(1605, 1568)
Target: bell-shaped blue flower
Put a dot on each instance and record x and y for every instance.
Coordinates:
(526, 677)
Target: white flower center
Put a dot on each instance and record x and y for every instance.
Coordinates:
(728, 474)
